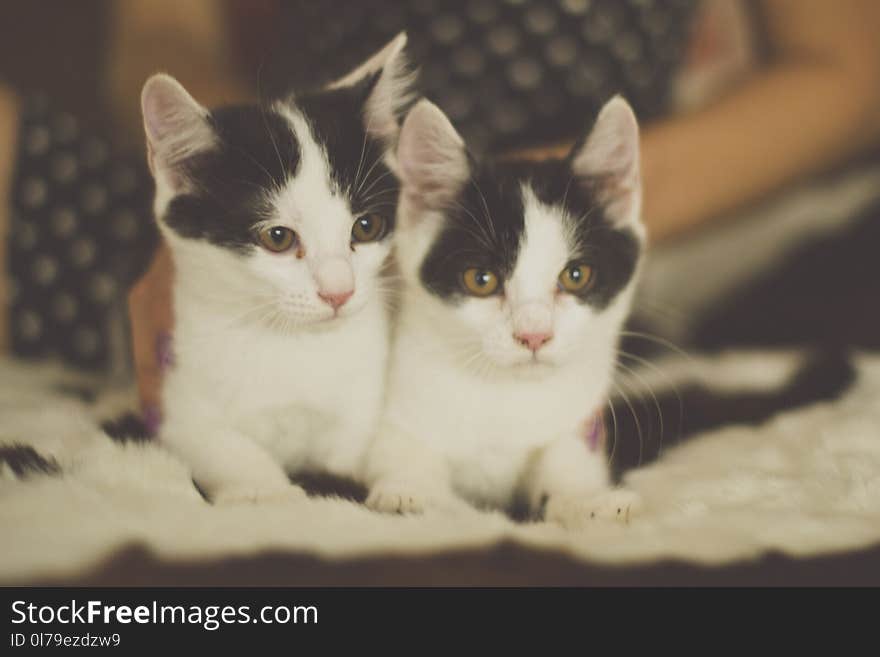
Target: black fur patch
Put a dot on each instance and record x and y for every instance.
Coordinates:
(25, 461)
(484, 228)
(258, 151)
(485, 225)
(356, 160)
(127, 428)
(637, 438)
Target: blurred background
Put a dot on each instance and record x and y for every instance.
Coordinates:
(760, 122)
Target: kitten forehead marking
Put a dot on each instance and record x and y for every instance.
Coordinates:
(544, 250)
(313, 192)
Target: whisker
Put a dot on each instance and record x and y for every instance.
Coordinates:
(482, 237)
(635, 419)
(485, 209)
(377, 180)
(367, 175)
(361, 159)
(641, 380)
(658, 340)
(672, 386)
(616, 430)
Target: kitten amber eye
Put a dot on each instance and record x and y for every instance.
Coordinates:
(575, 278)
(479, 282)
(368, 228)
(277, 238)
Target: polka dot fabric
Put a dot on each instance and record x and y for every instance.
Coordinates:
(509, 73)
(80, 233)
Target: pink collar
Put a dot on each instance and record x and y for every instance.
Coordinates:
(594, 431)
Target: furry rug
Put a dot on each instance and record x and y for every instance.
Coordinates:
(805, 482)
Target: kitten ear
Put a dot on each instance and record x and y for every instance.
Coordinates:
(392, 93)
(608, 160)
(176, 125)
(431, 156)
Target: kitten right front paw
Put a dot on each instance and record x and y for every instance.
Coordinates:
(391, 497)
(258, 495)
(409, 498)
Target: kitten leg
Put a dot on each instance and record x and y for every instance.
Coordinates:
(406, 476)
(572, 483)
(231, 468)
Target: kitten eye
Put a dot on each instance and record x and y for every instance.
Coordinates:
(575, 278)
(479, 282)
(277, 238)
(368, 228)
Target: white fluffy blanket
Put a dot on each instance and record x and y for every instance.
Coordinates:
(806, 482)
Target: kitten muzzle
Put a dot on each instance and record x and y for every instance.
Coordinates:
(335, 279)
(533, 325)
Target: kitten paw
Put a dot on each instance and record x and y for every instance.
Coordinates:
(256, 495)
(618, 505)
(396, 498)
(408, 498)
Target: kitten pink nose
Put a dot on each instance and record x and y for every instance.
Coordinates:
(334, 279)
(533, 341)
(337, 299)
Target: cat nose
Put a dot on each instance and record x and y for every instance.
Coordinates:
(337, 299)
(334, 279)
(533, 341)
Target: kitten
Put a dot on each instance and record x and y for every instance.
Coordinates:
(517, 279)
(279, 221)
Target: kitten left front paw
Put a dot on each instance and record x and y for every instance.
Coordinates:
(408, 498)
(572, 512)
(390, 497)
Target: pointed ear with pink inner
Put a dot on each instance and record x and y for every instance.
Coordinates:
(608, 161)
(432, 159)
(393, 91)
(176, 126)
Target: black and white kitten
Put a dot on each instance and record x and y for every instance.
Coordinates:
(517, 279)
(279, 220)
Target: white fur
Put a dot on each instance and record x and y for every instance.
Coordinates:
(270, 379)
(471, 413)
